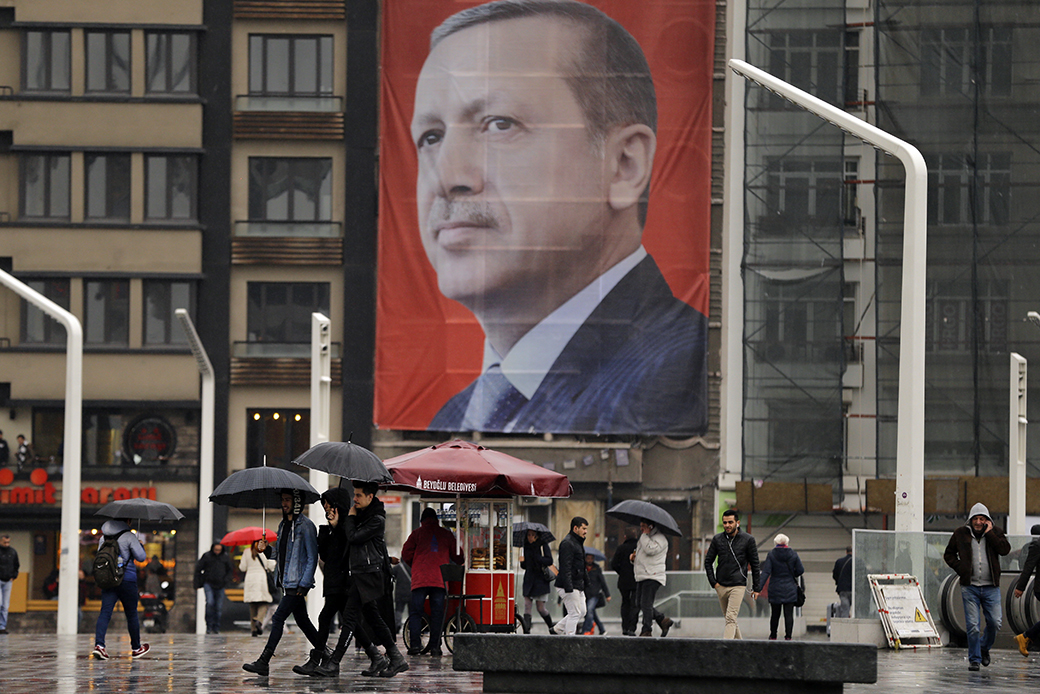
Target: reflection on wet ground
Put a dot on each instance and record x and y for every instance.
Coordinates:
(42, 664)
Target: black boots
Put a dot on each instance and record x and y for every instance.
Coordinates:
(330, 667)
(257, 628)
(260, 665)
(525, 623)
(308, 668)
(548, 623)
(379, 661)
(665, 623)
(397, 662)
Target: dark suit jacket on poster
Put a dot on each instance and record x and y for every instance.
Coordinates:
(637, 366)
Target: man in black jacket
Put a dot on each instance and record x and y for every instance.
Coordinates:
(735, 551)
(213, 573)
(570, 582)
(365, 530)
(8, 572)
(842, 575)
(626, 581)
(974, 552)
(1029, 567)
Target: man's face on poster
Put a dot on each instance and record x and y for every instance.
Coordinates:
(512, 190)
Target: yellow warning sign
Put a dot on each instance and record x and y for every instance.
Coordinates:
(918, 617)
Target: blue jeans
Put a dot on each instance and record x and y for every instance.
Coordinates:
(5, 601)
(591, 603)
(988, 598)
(415, 608)
(214, 607)
(126, 593)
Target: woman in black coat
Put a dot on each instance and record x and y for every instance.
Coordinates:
(784, 567)
(536, 560)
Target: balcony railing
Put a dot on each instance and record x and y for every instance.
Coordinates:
(286, 103)
(288, 229)
(279, 350)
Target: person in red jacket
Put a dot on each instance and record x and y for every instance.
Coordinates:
(425, 550)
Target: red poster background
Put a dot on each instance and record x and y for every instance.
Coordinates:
(428, 347)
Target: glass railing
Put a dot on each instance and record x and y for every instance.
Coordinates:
(289, 229)
(271, 350)
(288, 103)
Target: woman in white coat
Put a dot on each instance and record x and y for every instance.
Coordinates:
(648, 567)
(254, 566)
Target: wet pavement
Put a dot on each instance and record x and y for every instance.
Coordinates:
(43, 664)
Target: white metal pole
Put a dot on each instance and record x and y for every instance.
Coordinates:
(205, 533)
(71, 479)
(1018, 421)
(910, 432)
(321, 391)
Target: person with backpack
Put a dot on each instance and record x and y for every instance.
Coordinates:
(116, 574)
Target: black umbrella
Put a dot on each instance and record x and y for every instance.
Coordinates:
(140, 509)
(634, 511)
(520, 531)
(261, 487)
(347, 460)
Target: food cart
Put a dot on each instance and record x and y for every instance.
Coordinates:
(473, 488)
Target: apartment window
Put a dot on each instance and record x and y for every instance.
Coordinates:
(161, 299)
(290, 65)
(852, 93)
(107, 186)
(953, 309)
(170, 188)
(45, 186)
(803, 191)
(290, 189)
(106, 312)
(169, 63)
(108, 61)
(276, 437)
(949, 54)
(48, 61)
(810, 60)
(960, 193)
(281, 311)
(37, 327)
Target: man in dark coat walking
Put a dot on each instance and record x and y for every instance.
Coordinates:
(735, 551)
(571, 581)
(842, 575)
(621, 562)
(213, 574)
(1030, 567)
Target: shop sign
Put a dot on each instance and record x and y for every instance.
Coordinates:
(42, 491)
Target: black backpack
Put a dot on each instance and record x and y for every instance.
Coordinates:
(107, 572)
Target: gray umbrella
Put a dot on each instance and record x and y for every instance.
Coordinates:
(261, 487)
(634, 511)
(347, 460)
(140, 509)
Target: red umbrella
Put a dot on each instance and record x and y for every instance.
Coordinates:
(461, 467)
(247, 536)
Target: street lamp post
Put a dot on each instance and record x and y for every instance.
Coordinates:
(71, 475)
(910, 432)
(205, 454)
(321, 394)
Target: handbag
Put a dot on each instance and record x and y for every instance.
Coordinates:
(550, 572)
(800, 600)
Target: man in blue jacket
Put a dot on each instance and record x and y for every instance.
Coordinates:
(297, 560)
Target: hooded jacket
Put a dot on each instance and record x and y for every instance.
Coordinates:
(958, 551)
(366, 535)
(130, 547)
(429, 546)
(216, 569)
(332, 544)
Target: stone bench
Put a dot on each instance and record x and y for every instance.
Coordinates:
(514, 664)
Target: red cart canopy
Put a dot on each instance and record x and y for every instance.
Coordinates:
(469, 469)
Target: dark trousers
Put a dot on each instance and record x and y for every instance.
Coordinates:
(415, 609)
(629, 611)
(1033, 632)
(296, 606)
(356, 610)
(126, 593)
(646, 591)
(333, 604)
(774, 618)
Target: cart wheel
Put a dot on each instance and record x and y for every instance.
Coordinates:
(424, 633)
(452, 627)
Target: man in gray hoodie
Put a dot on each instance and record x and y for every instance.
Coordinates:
(974, 553)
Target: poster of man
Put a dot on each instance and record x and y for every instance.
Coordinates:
(544, 222)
